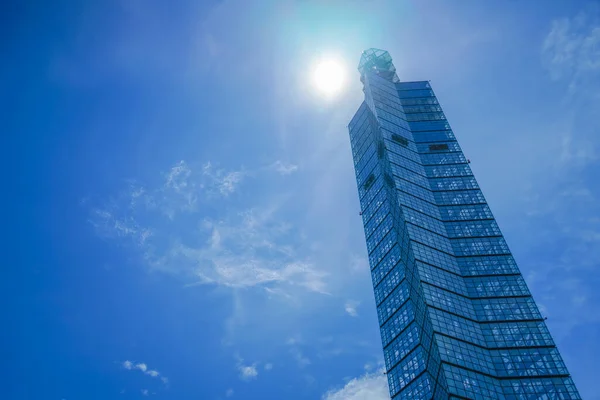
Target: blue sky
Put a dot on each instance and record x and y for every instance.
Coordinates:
(182, 211)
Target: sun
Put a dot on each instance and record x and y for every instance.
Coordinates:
(329, 77)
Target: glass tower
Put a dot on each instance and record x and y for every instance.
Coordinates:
(456, 318)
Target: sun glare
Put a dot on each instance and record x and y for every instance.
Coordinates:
(329, 77)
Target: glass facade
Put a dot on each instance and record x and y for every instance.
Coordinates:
(456, 318)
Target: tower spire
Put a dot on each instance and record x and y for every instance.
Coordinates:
(378, 61)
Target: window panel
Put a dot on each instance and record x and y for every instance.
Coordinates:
(448, 301)
(424, 147)
(401, 375)
(420, 388)
(424, 221)
(459, 197)
(541, 388)
(434, 257)
(489, 265)
(442, 278)
(418, 101)
(408, 200)
(465, 213)
(407, 152)
(370, 209)
(517, 334)
(444, 171)
(410, 176)
(401, 346)
(361, 161)
(407, 94)
(497, 286)
(454, 183)
(426, 116)
(358, 117)
(397, 323)
(389, 283)
(407, 164)
(479, 246)
(506, 309)
(429, 238)
(393, 302)
(472, 385)
(378, 217)
(460, 229)
(457, 327)
(442, 158)
(465, 354)
(429, 125)
(528, 362)
(379, 233)
(366, 195)
(382, 248)
(415, 190)
(412, 85)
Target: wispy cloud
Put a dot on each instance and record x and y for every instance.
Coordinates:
(229, 392)
(284, 168)
(571, 49)
(294, 344)
(226, 182)
(350, 307)
(130, 365)
(300, 358)
(563, 207)
(268, 366)
(142, 367)
(236, 249)
(372, 386)
(247, 372)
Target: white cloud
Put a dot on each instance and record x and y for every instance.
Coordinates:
(238, 249)
(178, 177)
(229, 392)
(268, 367)
(367, 387)
(283, 168)
(571, 49)
(359, 264)
(578, 153)
(300, 358)
(229, 182)
(296, 339)
(294, 343)
(144, 392)
(350, 308)
(143, 367)
(248, 372)
(226, 183)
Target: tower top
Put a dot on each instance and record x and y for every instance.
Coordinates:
(380, 62)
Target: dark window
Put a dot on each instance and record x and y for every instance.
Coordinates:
(433, 147)
(369, 182)
(399, 139)
(388, 179)
(380, 150)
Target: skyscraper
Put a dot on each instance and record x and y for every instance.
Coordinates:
(456, 318)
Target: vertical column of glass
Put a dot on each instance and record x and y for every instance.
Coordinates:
(511, 339)
(457, 333)
(412, 360)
